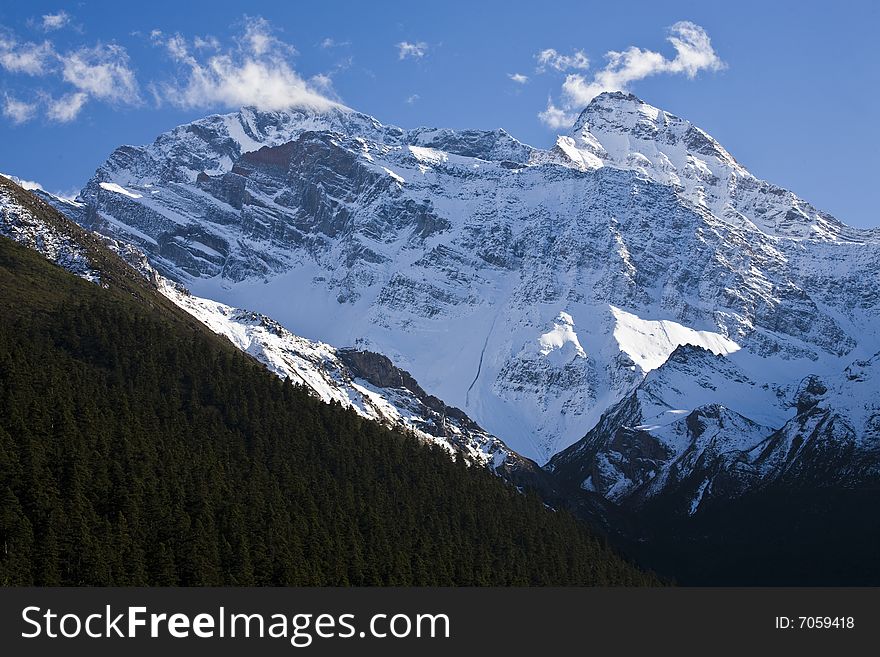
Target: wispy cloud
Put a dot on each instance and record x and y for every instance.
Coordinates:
(66, 108)
(206, 43)
(412, 100)
(329, 42)
(519, 78)
(18, 111)
(693, 53)
(259, 40)
(255, 71)
(55, 21)
(29, 58)
(550, 58)
(556, 117)
(69, 195)
(101, 72)
(254, 68)
(323, 83)
(406, 49)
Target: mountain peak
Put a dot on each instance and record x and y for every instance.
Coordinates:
(647, 130)
(620, 113)
(619, 102)
(620, 131)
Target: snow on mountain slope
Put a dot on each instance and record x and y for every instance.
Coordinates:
(649, 343)
(456, 253)
(699, 427)
(369, 383)
(695, 405)
(835, 435)
(211, 145)
(20, 221)
(561, 338)
(619, 130)
(334, 376)
(855, 390)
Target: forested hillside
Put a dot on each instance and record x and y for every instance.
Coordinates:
(138, 449)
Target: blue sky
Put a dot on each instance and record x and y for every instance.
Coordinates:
(790, 88)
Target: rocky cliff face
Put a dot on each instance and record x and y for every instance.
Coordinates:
(537, 290)
(367, 382)
(699, 428)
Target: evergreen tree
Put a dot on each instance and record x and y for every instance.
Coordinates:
(138, 448)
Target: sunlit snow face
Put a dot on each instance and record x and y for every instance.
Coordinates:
(650, 342)
(561, 337)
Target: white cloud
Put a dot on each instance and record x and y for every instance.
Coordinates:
(206, 43)
(333, 43)
(693, 53)
(177, 48)
(322, 83)
(30, 58)
(55, 21)
(519, 78)
(555, 60)
(255, 69)
(415, 50)
(554, 117)
(66, 108)
(256, 73)
(412, 100)
(230, 83)
(18, 111)
(259, 39)
(102, 72)
(693, 50)
(31, 185)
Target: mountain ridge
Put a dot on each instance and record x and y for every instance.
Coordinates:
(347, 378)
(392, 235)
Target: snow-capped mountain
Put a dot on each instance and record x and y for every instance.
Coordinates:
(364, 381)
(700, 427)
(619, 130)
(534, 289)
